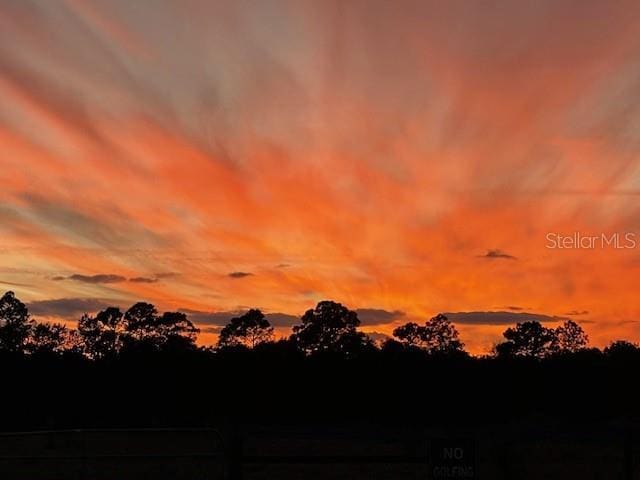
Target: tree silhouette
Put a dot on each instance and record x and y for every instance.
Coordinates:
(410, 334)
(569, 338)
(437, 336)
(527, 339)
(141, 322)
(441, 336)
(622, 349)
(330, 327)
(15, 324)
(102, 335)
(140, 328)
(174, 331)
(50, 338)
(249, 330)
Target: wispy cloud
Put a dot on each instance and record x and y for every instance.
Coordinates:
(68, 308)
(99, 278)
(239, 274)
(108, 278)
(378, 316)
(143, 280)
(14, 284)
(221, 318)
(500, 318)
(497, 254)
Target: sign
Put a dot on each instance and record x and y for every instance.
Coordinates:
(453, 459)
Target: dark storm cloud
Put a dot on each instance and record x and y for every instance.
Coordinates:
(377, 316)
(68, 307)
(497, 254)
(499, 318)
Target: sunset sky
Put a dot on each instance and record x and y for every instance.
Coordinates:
(404, 158)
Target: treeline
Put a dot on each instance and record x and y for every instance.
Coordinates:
(104, 335)
(144, 368)
(328, 329)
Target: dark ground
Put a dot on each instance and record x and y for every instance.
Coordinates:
(280, 416)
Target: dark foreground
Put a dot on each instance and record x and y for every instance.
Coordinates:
(279, 415)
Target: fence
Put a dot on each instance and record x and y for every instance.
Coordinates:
(225, 454)
(114, 454)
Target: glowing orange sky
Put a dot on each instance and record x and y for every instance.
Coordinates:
(272, 154)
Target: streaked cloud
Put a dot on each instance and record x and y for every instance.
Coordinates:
(98, 278)
(143, 280)
(493, 254)
(14, 284)
(68, 308)
(378, 316)
(239, 274)
(500, 318)
(220, 319)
